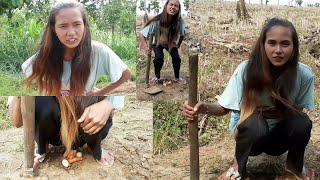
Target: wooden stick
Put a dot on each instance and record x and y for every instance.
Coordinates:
(149, 59)
(27, 111)
(193, 125)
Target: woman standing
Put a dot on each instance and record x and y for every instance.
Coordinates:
(168, 29)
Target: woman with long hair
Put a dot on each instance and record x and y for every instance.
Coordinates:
(168, 29)
(68, 61)
(72, 121)
(266, 96)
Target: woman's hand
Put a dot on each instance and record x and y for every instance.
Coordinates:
(95, 117)
(191, 112)
(147, 50)
(95, 92)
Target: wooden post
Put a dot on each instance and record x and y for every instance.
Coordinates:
(193, 125)
(28, 113)
(149, 59)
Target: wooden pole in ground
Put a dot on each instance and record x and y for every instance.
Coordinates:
(149, 59)
(193, 125)
(28, 113)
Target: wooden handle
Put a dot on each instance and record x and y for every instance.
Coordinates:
(149, 58)
(27, 111)
(193, 125)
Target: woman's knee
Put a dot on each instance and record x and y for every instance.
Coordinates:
(301, 124)
(99, 136)
(254, 127)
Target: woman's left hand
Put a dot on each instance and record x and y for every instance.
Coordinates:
(95, 117)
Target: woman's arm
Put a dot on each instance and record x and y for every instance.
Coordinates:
(180, 41)
(214, 109)
(126, 74)
(96, 116)
(144, 44)
(15, 111)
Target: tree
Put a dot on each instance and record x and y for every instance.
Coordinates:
(186, 4)
(142, 5)
(155, 6)
(299, 2)
(242, 12)
(8, 6)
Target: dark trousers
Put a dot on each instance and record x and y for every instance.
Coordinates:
(158, 60)
(291, 134)
(48, 124)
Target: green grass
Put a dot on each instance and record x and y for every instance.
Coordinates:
(4, 117)
(11, 85)
(170, 128)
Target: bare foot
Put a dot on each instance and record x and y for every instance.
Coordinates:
(232, 173)
(307, 174)
(107, 158)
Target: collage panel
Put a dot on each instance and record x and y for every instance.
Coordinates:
(162, 56)
(262, 59)
(70, 149)
(67, 48)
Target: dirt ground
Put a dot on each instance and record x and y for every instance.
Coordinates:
(126, 89)
(174, 91)
(130, 139)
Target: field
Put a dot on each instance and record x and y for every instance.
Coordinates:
(224, 42)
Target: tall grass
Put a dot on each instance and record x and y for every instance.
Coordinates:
(4, 117)
(170, 128)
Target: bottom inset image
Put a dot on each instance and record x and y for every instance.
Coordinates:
(76, 137)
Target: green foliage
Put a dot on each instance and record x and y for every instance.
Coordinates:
(11, 85)
(118, 15)
(39, 9)
(8, 6)
(142, 7)
(4, 117)
(17, 40)
(170, 127)
(186, 4)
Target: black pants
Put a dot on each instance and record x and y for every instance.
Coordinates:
(48, 123)
(158, 60)
(291, 134)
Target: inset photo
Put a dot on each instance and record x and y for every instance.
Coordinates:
(257, 105)
(67, 48)
(75, 137)
(162, 51)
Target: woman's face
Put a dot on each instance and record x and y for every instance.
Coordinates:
(69, 27)
(278, 45)
(173, 7)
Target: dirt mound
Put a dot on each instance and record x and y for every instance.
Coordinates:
(312, 42)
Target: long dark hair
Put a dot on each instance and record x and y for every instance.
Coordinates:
(47, 67)
(174, 25)
(258, 74)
